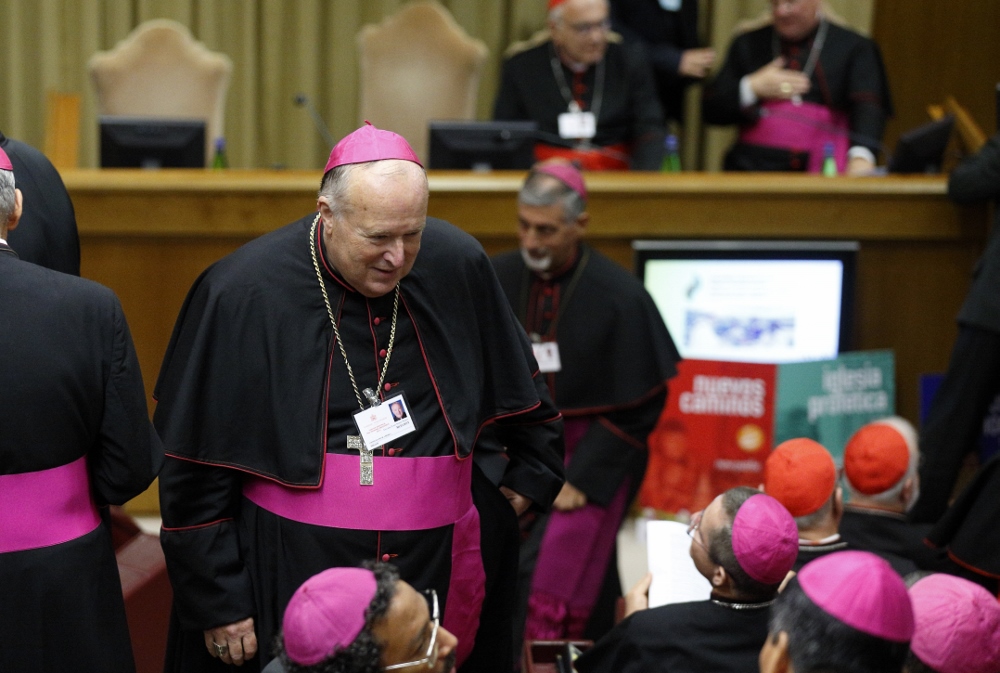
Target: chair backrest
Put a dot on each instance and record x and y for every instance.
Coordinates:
(415, 66)
(159, 70)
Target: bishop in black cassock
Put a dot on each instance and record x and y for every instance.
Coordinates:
(265, 484)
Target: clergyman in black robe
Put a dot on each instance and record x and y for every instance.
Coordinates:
(75, 437)
(744, 544)
(268, 480)
(615, 357)
(47, 234)
(828, 89)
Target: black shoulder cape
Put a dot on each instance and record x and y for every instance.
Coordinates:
(611, 314)
(252, 346)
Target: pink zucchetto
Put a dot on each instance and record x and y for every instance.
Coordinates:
(5, 164)
(370, 144)
(765, 539)
(958, 625)
(565, 172)
(861, 590)
(327, 613)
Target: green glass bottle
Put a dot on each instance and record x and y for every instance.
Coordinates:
(671, 155)
(829, 161)
(219, 160)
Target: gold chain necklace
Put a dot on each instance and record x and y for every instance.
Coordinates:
(340, 342)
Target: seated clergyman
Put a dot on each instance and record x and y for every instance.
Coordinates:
(846, 612)
(744, 543)
(361, 620)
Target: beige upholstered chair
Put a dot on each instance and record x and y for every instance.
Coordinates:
(159, 70)
(415, 66)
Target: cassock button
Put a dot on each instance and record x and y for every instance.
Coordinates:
(548, 315)
(382, 353)
(392, 452)
(385, 558)
(548, 291)
(377, 320)
(388, 386)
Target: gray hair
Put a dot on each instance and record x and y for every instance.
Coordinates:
(541, 189)
(7, 199)
(819, 517)
(337, 181)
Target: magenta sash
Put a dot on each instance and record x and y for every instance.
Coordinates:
(394, 503)
(802, 127)
(46, 508)
(572, 560)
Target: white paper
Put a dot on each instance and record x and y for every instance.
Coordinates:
(675, 578)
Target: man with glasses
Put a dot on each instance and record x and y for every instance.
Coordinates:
(797, 87)
(744, 544)
(361, 620)
(592, 95)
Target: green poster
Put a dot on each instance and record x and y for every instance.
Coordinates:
(828, 400)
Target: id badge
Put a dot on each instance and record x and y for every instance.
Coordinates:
(381, 424)
(577, 125)
(547, 355)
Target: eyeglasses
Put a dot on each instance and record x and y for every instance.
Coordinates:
(693, 527)
(430, 660)
(589, 27)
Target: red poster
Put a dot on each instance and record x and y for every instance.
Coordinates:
(715, 433)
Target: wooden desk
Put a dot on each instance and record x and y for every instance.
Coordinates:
(147, 235)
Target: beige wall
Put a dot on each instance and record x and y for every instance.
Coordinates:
(278, 48)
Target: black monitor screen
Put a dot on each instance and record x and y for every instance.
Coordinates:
(921, 150)
(752, 301)
(483, 146)
(149, 142)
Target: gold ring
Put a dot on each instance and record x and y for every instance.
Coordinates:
(220, 649)
(785, 88)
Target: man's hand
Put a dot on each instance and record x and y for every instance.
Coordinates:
(569, 498)
(237, 641)
(637, 597)
(696, 62)
(774, 81)
(519, 502)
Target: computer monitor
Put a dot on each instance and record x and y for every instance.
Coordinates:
(921, 150)
(482, 145)
(752, 301)
(151, 142)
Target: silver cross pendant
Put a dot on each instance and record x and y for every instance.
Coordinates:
(355, 443)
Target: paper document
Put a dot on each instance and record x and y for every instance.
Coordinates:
(675, 578)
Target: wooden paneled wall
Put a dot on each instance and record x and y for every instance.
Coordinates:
(933, 49)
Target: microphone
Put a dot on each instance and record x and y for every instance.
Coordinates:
(301, 100)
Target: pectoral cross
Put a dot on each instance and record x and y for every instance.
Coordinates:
(356, 443)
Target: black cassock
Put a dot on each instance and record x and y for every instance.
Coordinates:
(682, 638)
(848, 76)
(628, 112)
(892, 537)
(47, 233)
(616, 356)
(74, 437)
(254, 394)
